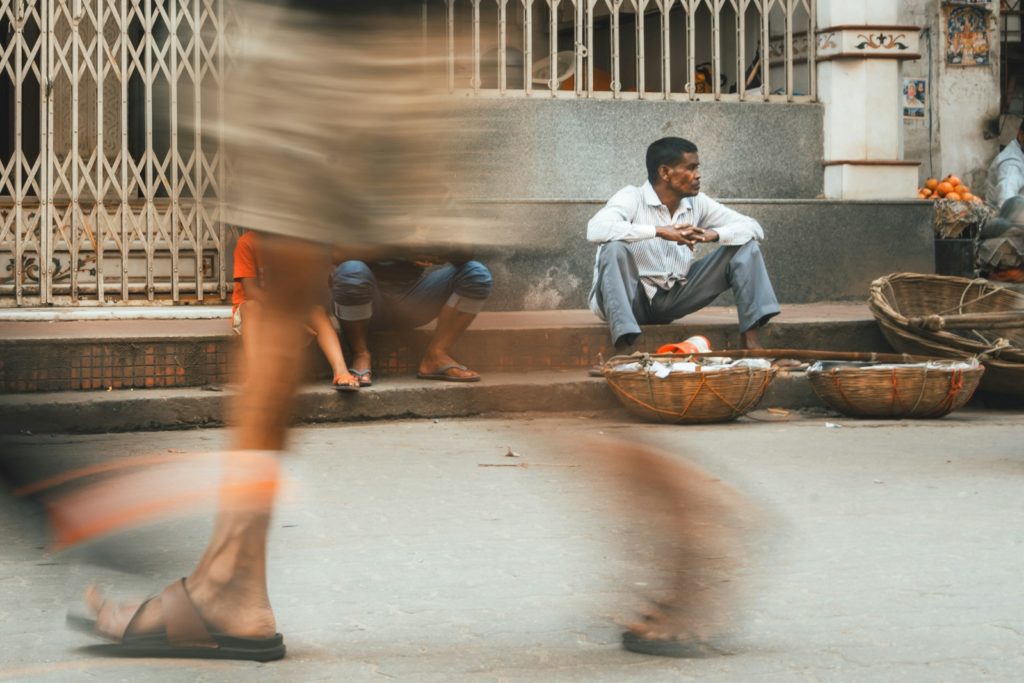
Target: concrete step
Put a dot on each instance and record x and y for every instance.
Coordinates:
(117, 354)
(549, 391)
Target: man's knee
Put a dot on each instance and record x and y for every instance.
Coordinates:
(352, 283)
(473, 280)
(1013, 209)
(613, 253)
(746, 254)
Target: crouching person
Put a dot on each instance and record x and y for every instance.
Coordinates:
(404, 293)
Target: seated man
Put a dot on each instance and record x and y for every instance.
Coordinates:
(405, 293)
(645, 272)
(249, 294)
(1006, 175)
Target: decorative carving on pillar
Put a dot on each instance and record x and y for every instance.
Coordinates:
(868, 42)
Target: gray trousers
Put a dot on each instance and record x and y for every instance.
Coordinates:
(622, 299)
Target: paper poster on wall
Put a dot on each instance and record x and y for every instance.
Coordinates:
(915, 97)
(967, 39)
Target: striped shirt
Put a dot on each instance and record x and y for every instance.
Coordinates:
(633, 215)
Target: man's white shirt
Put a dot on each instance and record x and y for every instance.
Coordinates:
(1005, 175)
(633, 215)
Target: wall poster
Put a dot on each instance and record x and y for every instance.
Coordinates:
(915, 97)
(967, 38)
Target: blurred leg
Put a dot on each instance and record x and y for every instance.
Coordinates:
(228, 585)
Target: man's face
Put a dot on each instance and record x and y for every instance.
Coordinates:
(684, 177)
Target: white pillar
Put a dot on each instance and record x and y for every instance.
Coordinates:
(860, 50)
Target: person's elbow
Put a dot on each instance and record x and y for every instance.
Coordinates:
(756, 231)
(597, 231)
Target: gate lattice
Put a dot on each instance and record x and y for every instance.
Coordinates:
(110, 167)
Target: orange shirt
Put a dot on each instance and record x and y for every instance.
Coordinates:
(247, 264)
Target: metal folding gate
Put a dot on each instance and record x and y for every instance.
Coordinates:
(111, 166)
(110, 162)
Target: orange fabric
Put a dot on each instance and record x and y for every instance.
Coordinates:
(1008, 275)
(247, 264)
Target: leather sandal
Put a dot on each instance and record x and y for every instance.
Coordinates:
(185, 635)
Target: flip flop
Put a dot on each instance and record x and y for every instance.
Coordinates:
(442, 375)
(185, 635)
(365, 377)
(346, 388)
(684, 649)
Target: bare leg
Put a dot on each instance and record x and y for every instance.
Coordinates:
(228, 585)
(689, 527)
(357, 334)
(327, 340)
(451, 323)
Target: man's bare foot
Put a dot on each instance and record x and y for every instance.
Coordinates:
(232, 610)
(431, 362)
(750, 339)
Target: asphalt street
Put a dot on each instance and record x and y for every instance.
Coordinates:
(426, 551)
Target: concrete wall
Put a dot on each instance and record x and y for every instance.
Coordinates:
(816, 250)
(952, 137)
(589, 149)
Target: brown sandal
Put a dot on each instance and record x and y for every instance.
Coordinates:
(185, 634)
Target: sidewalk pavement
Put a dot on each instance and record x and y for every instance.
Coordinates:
(892, 551)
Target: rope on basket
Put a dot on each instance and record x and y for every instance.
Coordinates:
(834, 374)
(956, 383)
(924, 384)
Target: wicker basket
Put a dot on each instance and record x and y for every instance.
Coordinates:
(686, 397)
(900, 296)
(920, 390)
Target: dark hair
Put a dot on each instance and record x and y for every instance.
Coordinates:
(666, 152)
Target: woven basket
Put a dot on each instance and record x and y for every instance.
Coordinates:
(686, 397)
(895, 391)
(896, 298)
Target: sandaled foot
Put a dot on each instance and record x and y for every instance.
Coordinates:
(668, 647)
(449, 372)
(363, 377)
(346, 382)
(168, 625)
(655, 635)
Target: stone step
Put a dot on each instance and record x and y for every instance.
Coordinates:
(549, 391)
(174, 353)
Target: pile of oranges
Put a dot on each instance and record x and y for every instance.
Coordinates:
(949, 188)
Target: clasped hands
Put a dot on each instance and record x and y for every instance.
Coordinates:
(687, 234)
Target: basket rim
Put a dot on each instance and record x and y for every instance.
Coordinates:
(882, 307)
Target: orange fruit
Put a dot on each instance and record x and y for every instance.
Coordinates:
(944, 188)
(953, 180)
(961, 189)
(926, 192)
(967, 197)
(931, 183)
(953, 195)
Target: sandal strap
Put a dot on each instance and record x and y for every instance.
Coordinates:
(183, 623)
(118, 618)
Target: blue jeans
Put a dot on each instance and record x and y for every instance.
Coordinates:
(357, 295)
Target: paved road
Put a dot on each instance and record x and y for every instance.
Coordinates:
(895, 552)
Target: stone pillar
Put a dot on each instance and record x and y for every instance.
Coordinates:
(860, 51)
